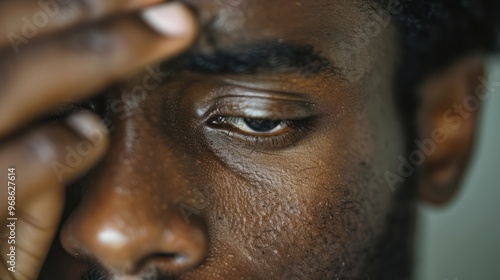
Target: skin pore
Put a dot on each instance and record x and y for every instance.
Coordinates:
(308, 203)
(260, 155)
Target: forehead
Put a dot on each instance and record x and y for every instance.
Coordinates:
(352, 34)
(312, 21)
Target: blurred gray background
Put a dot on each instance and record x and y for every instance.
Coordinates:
(462, 240)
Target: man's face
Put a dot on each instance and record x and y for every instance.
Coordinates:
(268, 165)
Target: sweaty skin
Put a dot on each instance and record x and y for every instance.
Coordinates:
(194, 186)
(309, 206)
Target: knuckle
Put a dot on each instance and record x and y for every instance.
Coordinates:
(93, 40)
(80, 8)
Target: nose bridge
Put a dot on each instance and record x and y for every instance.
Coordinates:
(142, 167)
(129, 215)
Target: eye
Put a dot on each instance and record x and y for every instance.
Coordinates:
(258, 126)
(255, 127)
(264, 134)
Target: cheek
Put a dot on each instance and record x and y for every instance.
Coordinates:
(312, 209)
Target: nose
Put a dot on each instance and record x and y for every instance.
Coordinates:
(130, 219)
(126, 241)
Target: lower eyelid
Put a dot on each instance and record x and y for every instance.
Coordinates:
(280, 141)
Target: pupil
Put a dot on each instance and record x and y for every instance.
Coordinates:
(262, 125)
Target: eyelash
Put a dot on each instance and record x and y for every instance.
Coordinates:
(298, 129)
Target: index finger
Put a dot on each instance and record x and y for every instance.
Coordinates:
(77, 65)
(23, 20)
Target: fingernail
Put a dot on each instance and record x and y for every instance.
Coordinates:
(171, 19)
(42, 147)
(88, 126)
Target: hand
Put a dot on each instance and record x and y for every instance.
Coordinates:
(54, 51)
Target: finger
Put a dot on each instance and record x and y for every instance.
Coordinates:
(52, 156)
(35, 229)
(74, 67)
(44, 161)
(23, 20)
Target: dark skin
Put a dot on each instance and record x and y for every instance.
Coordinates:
(273, 171)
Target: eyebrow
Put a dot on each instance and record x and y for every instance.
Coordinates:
(264, 57)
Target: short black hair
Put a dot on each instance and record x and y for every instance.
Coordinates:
(434, 33)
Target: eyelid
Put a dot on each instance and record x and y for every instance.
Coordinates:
(243, 102)
(262, 108)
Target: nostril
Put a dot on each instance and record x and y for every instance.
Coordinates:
(142, 245)
(168, 263)
(163, 257)
(93, 271)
